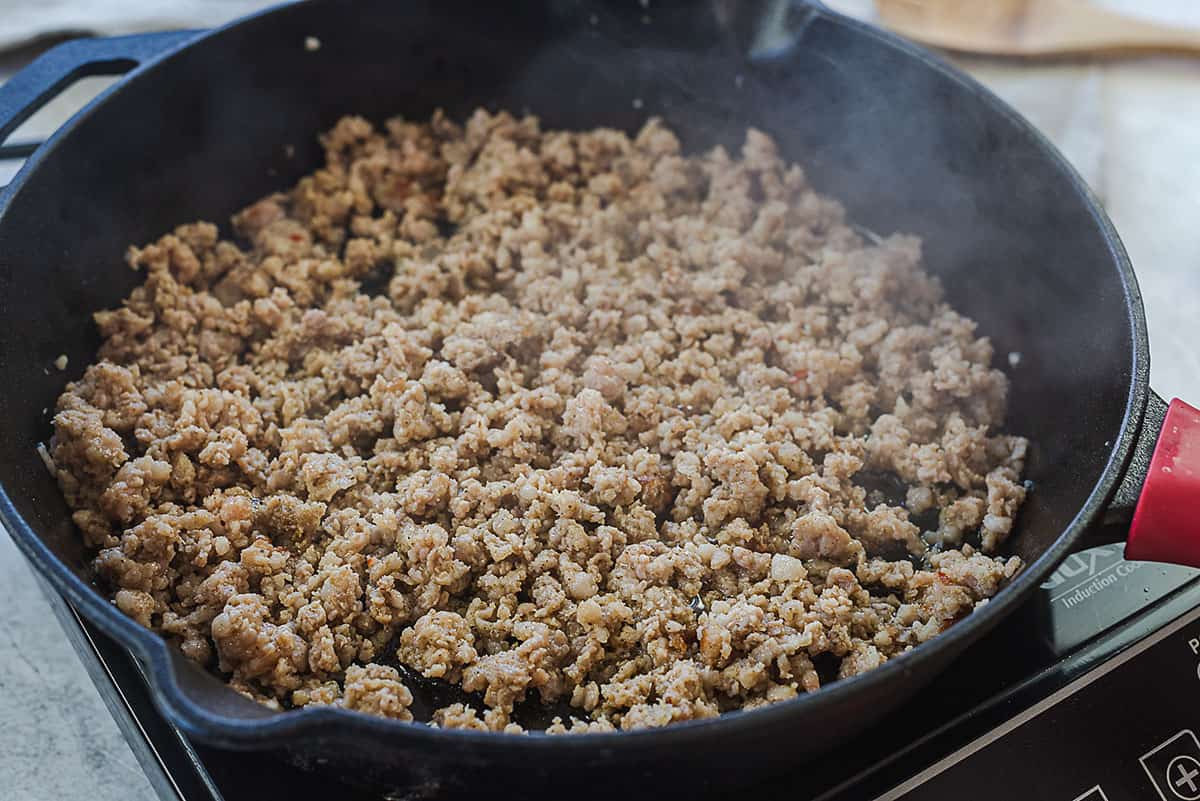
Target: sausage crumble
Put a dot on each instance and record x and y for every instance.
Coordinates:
(554, 416)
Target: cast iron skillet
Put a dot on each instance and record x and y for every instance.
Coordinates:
(204, 123)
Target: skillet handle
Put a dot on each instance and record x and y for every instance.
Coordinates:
(1158, 502)
(1166, 520)
(60, 66)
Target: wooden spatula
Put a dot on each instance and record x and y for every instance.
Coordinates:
(1032, 28)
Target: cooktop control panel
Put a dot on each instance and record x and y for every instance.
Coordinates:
(1125, 730)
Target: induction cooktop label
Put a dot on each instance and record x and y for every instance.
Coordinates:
(1096, 589)
(1085, 575)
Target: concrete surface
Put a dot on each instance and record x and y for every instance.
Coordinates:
(1133, 130)
(57, 741)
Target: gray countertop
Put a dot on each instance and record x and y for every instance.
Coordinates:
(1132, 128)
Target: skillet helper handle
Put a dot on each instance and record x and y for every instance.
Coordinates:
(60, 66)
(1166, 519)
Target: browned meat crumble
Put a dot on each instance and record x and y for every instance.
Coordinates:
(545, 414)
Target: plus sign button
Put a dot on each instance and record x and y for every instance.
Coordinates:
(1183, 772)
(1174, 767)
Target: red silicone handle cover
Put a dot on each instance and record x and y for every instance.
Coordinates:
(1166, 522)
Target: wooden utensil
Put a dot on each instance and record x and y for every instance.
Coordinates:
(1033, 28)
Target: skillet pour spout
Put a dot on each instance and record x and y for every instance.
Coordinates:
(202, 123)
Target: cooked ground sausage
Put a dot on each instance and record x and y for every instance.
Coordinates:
(563, 415)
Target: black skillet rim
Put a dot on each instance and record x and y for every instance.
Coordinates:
(335, 723)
